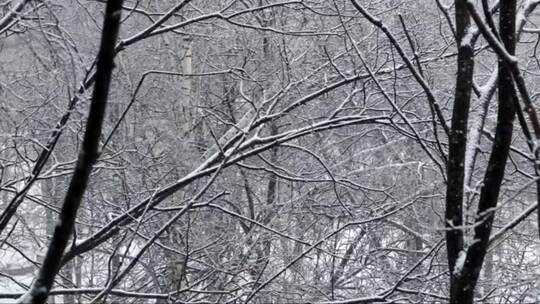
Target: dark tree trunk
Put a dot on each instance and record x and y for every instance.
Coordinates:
(458, 137)
(464, 281)
(41, 287)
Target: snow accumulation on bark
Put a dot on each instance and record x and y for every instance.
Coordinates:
(460, 262)
(37, 290)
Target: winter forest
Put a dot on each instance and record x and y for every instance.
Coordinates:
(269, 151)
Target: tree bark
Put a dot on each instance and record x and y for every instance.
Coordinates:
(464, 281)
(44, 281)
(458, 136)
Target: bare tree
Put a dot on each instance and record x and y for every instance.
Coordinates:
(88, 155)
(259, 151)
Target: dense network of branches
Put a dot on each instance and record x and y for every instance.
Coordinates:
(269, 151)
